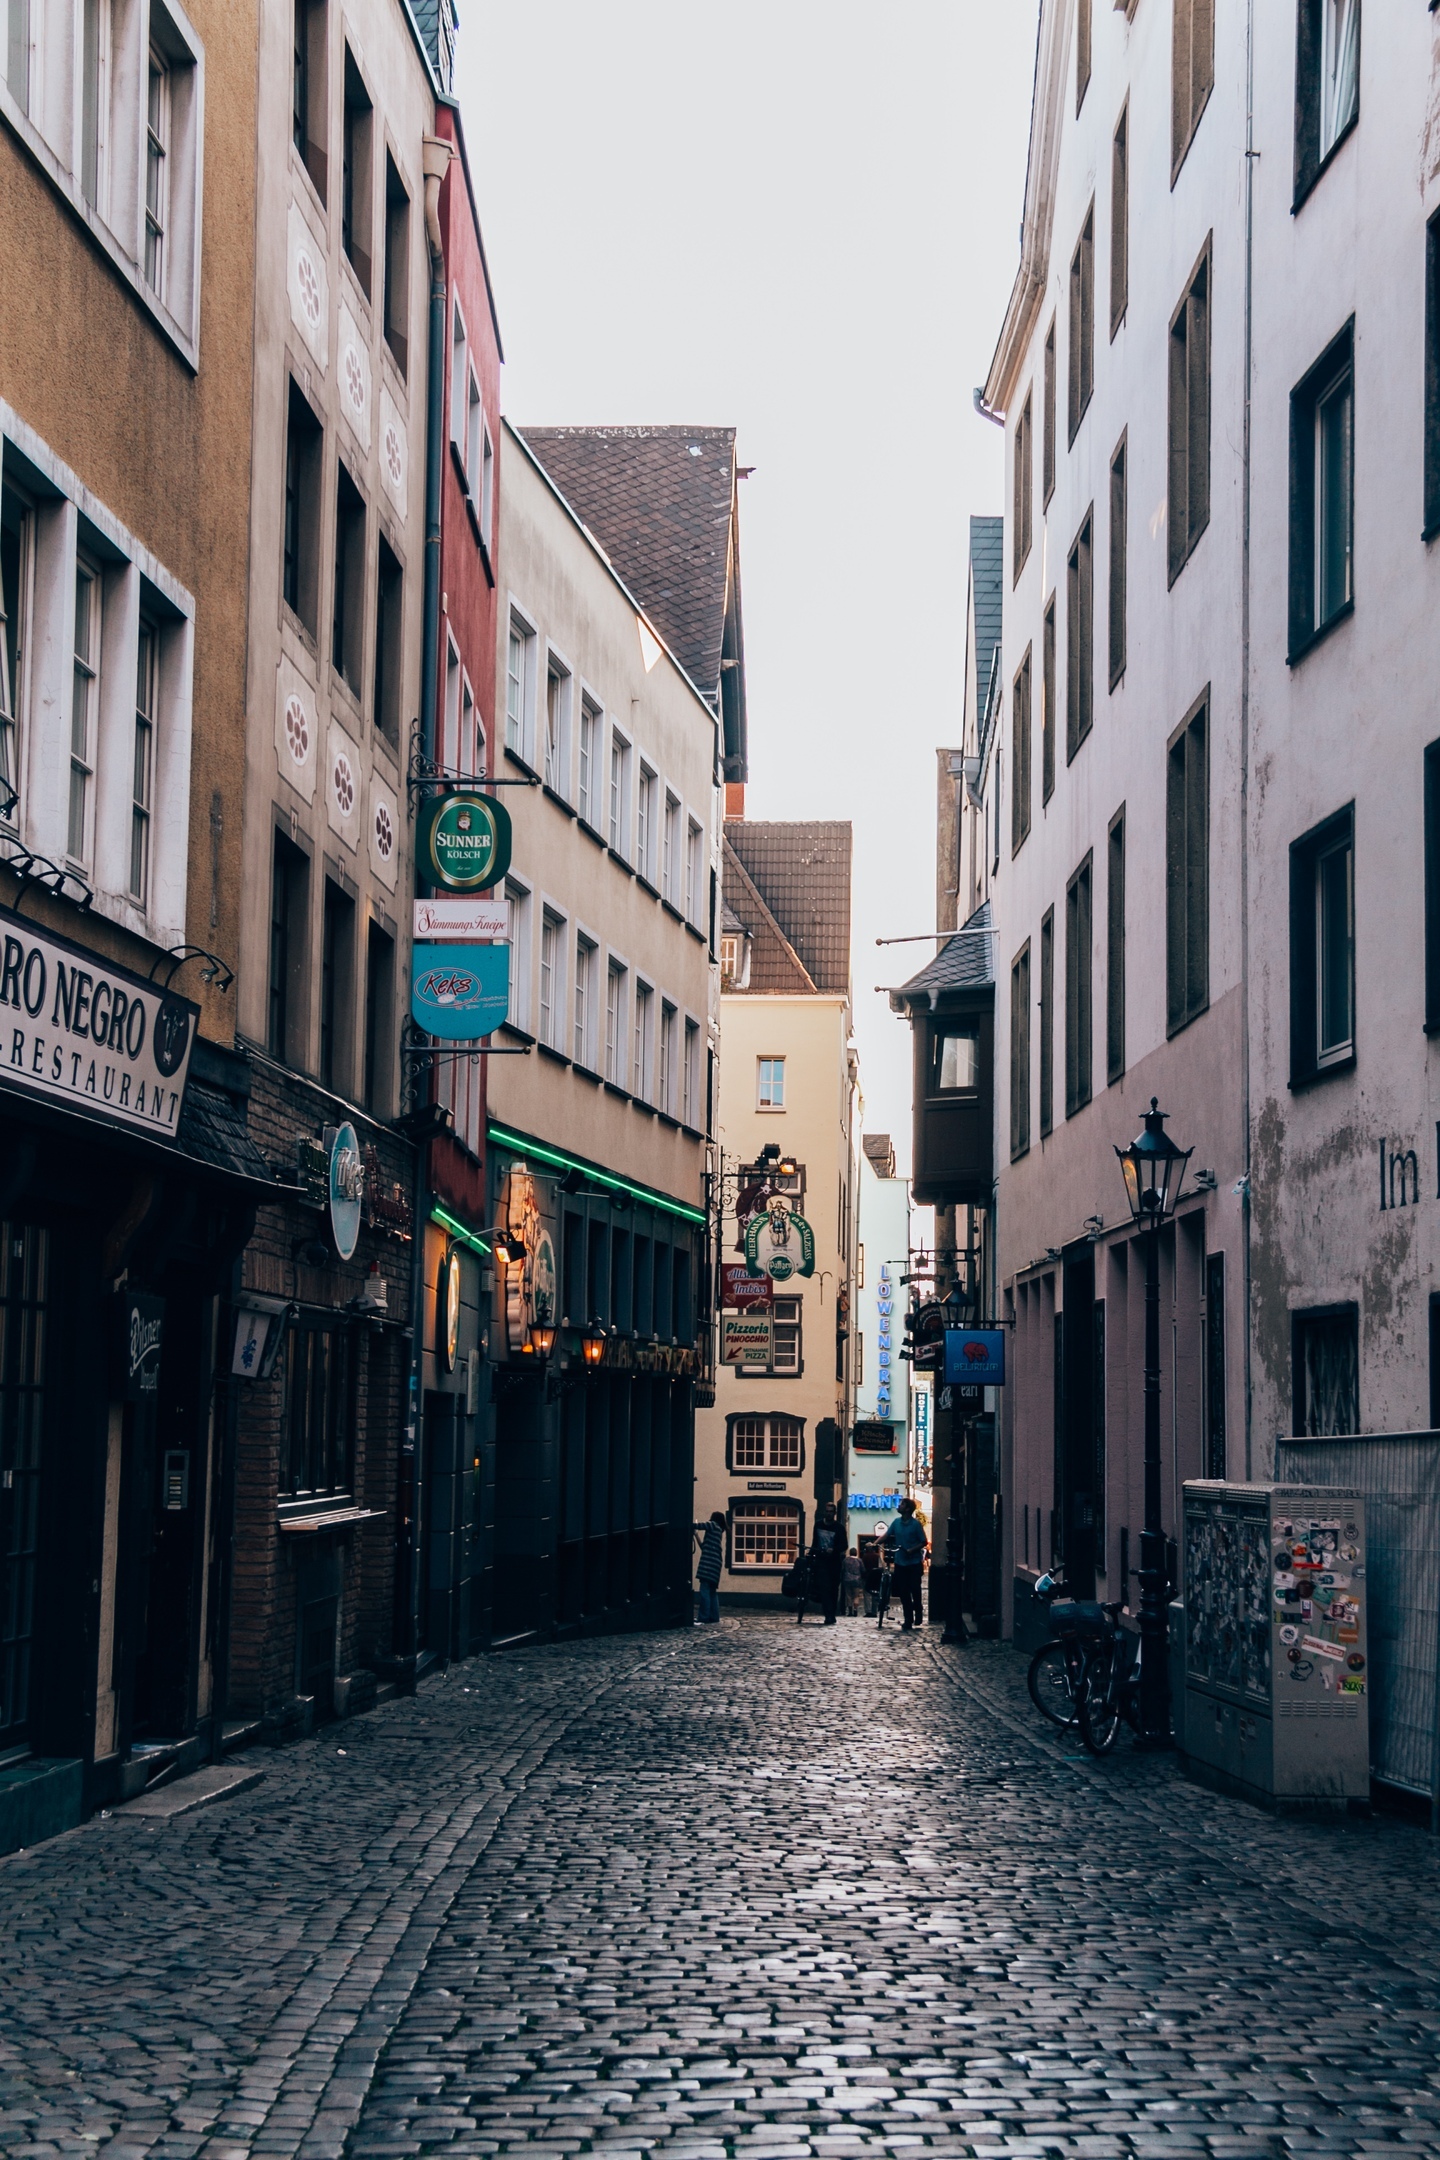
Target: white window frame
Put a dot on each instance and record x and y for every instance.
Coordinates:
(617, 797)
(520, 691)
(519, 895)
(694, 871)
(642, 1033)
(616, 1014)
(554, 943)
(156, 208)
(474, 436)
(669, 1040)
(85, 694)
(777, 1510)
(459, 376)
(487, 483)
(590, 743)
(690, 1041)
(142, 786)
(555, 771)
(670, 845)
(791, 1318)
(647, 795)
(454, 675)
(1339, 41)
(14, 701)
(765, 1070)
(583, 999)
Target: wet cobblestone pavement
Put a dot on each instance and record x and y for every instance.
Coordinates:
(749, 1893)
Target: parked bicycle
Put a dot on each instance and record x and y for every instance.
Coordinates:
(1087, 1677)
(883, 1591)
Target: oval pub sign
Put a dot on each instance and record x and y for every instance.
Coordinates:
(465, 842)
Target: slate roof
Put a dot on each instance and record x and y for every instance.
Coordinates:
(802, 873)
(660, 501)
(775, 966)
(987, 581)
(212, 1131)
(964, 962)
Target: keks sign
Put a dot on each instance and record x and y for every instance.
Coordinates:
(76, 1030)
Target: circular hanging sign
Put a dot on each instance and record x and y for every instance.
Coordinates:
(464, 842)
(347, 1190)
(452, 1308)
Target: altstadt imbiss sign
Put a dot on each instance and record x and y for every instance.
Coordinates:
(76, 1030)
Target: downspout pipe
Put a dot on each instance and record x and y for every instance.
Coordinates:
(1246, 1206)
(437, 156)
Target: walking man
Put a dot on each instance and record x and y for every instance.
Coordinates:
(906, 1542)
(827, 1563)
(712, 1552)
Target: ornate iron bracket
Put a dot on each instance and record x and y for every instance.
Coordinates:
(425, 773)
(33, 869)
(214, 971)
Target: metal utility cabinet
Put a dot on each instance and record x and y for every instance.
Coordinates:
(1276, 1674)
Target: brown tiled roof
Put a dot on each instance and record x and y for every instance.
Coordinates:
(802, 871)
(659, 500)
(775, 966)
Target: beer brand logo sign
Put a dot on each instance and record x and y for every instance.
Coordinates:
(464, 842)
(779, 1244)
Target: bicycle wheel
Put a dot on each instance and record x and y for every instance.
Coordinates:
(883, 1602)
(1049, 1683)
(1098, 1704)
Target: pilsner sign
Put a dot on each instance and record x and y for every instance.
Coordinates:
(76, 1029)
(464, 842)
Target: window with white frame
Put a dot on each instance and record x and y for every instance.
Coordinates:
(618, 823)
(584, 1018)
(519, 899)
(767, 1443)
(670, 850)
(770, 1083)
(615, 1023)
(690, 1077)
(84, 711)
(474, 441)
(589, 739)
(94, 101)
(450, 743)
(459, 377)
(519, 686)
(552, 978)
(694, 873)
(468, 755)
(642, 1046)
(157, 168)
(142, 790)
(669, 1029)
(16, 531)
(785, 1356)
(487, 483)
(645, 824)
(558, 684)
(764, 1535)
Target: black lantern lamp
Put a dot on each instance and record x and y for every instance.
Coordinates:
(592, 1343)
(1154, 1170)
(542, 1339)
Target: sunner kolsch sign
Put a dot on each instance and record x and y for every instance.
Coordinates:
(77, 1030)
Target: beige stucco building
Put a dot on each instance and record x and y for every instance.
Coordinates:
(773, 1448)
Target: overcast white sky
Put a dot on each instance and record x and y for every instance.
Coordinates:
(800, 218)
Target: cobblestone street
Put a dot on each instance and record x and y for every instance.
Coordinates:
(749, 1891)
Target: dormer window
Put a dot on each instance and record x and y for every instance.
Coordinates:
(734, 960)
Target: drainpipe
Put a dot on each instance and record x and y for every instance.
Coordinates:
(1245, 1204)
(436, 162)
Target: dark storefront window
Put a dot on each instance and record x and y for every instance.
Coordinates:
(319, 1412)
(23, 1268)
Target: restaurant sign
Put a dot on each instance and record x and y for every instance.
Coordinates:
(77, 1030)
(746, 1338)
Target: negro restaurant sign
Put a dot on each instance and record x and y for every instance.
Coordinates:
(77, 1030)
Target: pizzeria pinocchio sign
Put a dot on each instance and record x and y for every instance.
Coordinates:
(464, 842)
(76, 1030)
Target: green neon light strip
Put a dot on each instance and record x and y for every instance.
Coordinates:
(459, 1232)
(596, 1177)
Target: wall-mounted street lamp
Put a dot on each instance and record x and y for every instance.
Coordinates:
(1153, 1168)
(541, 1340)
(592, 1343)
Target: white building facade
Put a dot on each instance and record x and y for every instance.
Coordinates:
(1213, 563)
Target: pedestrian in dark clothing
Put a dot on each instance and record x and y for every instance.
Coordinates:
(712, 1554)
(906, 1542)
(827, 1563)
